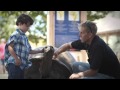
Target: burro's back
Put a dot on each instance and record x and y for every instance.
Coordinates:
(44, 67)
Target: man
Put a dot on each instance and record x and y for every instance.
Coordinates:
(103, 63)
(2, 50)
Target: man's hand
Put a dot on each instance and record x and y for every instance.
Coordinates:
(17, 62)
(61, 49)
(55, 54)
(76, 76)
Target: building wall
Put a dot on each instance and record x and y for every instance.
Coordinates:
(113, 40)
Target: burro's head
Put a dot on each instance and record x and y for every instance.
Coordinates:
(48, 51)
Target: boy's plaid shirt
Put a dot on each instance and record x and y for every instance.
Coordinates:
(21, 48)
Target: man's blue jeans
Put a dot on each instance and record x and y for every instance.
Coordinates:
(14, 72)
(80, 67)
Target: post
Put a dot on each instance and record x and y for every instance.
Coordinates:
(50, 28)
(82, 54)
(83, 16)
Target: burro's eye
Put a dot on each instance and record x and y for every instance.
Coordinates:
(47, 49)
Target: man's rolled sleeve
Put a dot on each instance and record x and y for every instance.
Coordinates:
(78, 45)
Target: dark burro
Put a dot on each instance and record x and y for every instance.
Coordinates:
(44, 67)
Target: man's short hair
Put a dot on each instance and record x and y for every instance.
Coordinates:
(24, 19)
(91, 26)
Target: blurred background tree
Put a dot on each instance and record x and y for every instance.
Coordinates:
(92, 15)
(38, 29)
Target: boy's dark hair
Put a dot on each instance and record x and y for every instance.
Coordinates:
(24, 19)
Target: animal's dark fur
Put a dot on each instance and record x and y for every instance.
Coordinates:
(47, 68)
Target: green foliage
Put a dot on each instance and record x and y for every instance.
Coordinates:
(92, 15)
(8, 18)
(7, 24)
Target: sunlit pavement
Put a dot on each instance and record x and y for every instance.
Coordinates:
(3, 76)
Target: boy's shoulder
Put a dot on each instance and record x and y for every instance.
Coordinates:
(15, 33)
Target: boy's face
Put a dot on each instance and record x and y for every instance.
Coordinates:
(24, 27)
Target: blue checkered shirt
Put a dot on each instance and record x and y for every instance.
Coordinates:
(21, 48)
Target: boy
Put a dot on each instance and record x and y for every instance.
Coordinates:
(18, 48)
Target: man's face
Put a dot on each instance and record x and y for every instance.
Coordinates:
(84, 35)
